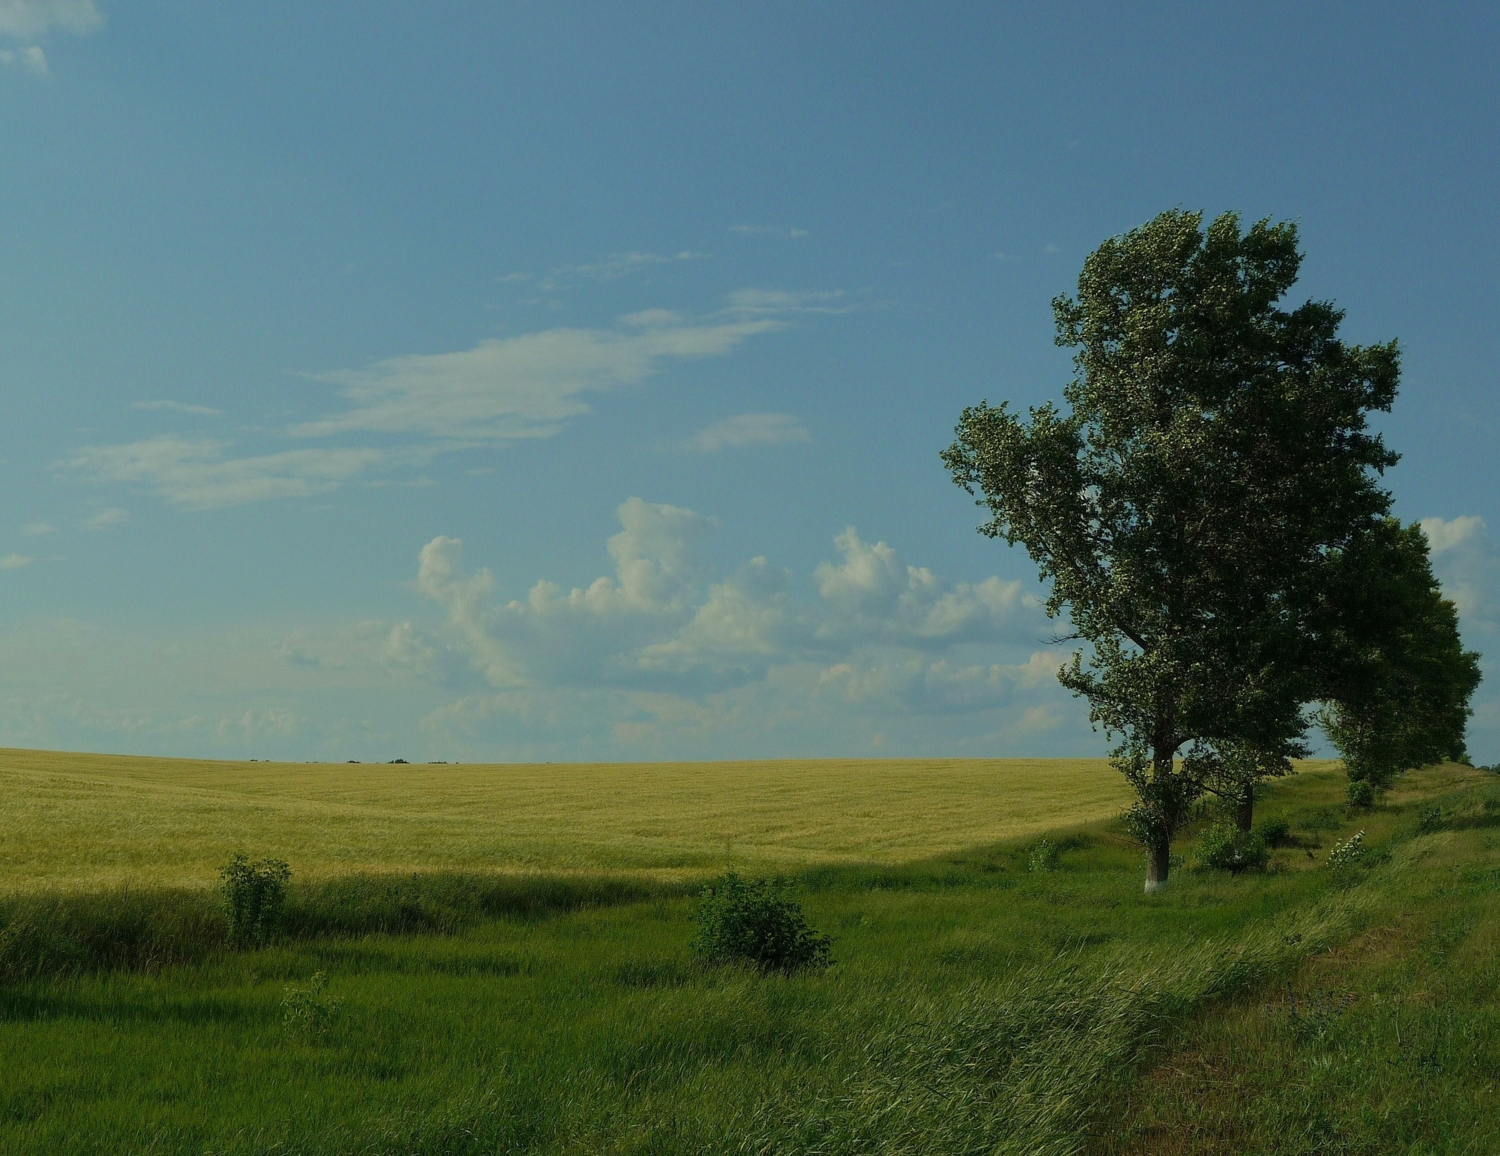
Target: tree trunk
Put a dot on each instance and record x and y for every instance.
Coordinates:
(1158, 863)
(1244, 811)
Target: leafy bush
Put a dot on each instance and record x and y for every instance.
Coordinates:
(1361, 793)
(1274, 832)
(310, 1009)
(1224, 847)
(1429, 819)
(1044, 856)
(756, 921)
(1349, 853)
(254, 895)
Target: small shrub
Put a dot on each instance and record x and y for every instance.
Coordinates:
(254, 895)
(1349, 853)
(1044, 856)
(1274, 832)
(310, 1009)
(1224, 847)
(1429, 819)
(1361, 793)
(756, 921)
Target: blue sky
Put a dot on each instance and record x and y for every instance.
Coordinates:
(567, 381)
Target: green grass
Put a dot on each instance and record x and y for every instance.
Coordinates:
(974, 1006)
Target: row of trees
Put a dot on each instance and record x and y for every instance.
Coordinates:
(1209, 514)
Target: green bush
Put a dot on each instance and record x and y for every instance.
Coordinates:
(1224, 847)
(1349, 853)
(1044, 856)
(1361, 793)
(310, 1009)
(756, 921)
(254, 895)
(1429, 819)
(1274, 832)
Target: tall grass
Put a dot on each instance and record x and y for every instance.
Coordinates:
(146, 930)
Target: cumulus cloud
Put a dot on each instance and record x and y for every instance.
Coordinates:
(1466, 561)
(750, 429)
(880, 631)
(196, 473)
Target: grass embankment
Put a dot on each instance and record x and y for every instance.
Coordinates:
(973, 1007)
(91, 822)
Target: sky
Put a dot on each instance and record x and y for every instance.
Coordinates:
(567, 382)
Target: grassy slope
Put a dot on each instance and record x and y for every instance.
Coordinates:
(974, 1007)
(1390, 1043)
(91, 821)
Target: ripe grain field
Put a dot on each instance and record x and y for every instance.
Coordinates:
(82, 821)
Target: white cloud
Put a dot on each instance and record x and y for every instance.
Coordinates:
(753, 302)
(611, 268)
(874, 596)
(518, 387)
(37, 529)
(110, 516)
(750, 429)
(768, 231)
(887, 630)
(28, 20)
(177, 407)
(196, 474)
(1466, 561)
(1451, 534)
(501, 390)
(15, 561)
(30, 59)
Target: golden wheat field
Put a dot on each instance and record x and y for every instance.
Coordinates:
(79, 821)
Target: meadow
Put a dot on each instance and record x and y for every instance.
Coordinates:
(974, 1005)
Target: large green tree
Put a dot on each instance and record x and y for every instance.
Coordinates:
(1398, 680)
(1213, 453)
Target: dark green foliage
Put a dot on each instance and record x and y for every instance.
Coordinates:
(1361, 793)
(1429, 819)
(310, 1010)
(1224, 847)
(1044, 856)
(1274, 832)
(756, 921)
(1398, 678)
(1215, 448)
(254, 895)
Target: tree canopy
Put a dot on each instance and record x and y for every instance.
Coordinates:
(1214, 453)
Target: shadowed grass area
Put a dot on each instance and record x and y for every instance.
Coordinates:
(974, 1005)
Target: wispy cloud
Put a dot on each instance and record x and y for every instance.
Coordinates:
(15, 561)
(177, 407)
(37, 529)
(33, 19)
(198, 474)
(613, 268)
(110, 516)
(501, 390)
(768, 231)
(750, 429)
(29, 21)
(29, 59)
(506, 389)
